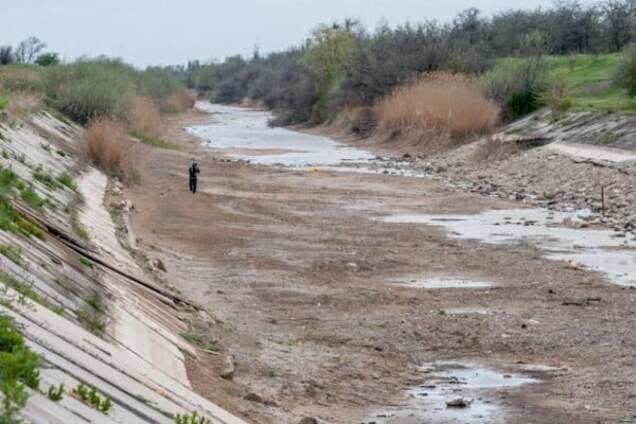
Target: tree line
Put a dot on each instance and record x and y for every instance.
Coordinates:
(345, 64)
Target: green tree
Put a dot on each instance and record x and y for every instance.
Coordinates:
(328, 50)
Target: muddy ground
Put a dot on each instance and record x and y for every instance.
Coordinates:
(299, 277)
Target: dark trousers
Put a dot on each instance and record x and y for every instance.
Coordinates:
(193, 185)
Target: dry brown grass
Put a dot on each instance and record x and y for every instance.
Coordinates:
(179, 101)
(443, 102)
(106, 144)
(144, 116)
(21, 103)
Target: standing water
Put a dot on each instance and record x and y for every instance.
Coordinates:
(245, 134)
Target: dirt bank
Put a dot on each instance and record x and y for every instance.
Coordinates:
(298, 272)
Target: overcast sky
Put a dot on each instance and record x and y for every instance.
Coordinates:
(162, 32)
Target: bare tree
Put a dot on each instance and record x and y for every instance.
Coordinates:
(29, 49)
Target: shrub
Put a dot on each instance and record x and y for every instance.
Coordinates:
(179, 101)
(442, 102)
(626, 72)
(106, 144)
(144, 116)
(521, 104)
(56, 393)
(24, 78)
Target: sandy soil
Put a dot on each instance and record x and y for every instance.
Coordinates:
(297, 274)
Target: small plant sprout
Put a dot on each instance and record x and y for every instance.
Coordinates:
(56, 393)
(192, 418)
(90, 396)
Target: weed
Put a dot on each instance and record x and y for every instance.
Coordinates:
(19, 367)
(31, 198)
(26, 291)
(46, 178)
(4, 102)
(92, 316)
(87, 262)
(10, 219)
(46, 147)
(192, 418)
(56, 393)
(12, 252)
(91, 396)
(67, 181)
(61, 153)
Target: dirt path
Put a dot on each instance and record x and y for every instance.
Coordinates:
(298, 272)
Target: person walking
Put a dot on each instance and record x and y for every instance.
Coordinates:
(193, 171)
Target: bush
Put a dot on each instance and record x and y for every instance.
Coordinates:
(626, 72)
(521, 104)
(106, 144)
(442, 102)
(178, 102)
(21, 78)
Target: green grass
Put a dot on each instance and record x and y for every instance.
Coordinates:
(4, 102)
(19, 367)
(590, 81)
(87, 262)
(10, 219)
(93, 315)
(46, 178)
(154, 141)
(67, 181)
(31, 198)
(13, 253)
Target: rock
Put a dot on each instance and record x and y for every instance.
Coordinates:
(458, 403)
(352, 266)
(308, 420)
(254, 397)
(575, 266)
(228, 371)
(160, 265)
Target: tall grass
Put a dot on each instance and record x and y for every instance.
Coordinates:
(106, 144)
(443, 102)
(144, 116)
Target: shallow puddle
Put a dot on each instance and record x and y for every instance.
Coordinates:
(247, 130)
(597, 249)
(444, 382)
(445, 283)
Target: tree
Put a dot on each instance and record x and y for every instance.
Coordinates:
(48, 59)
(328, 49)
(6, 55)
(29, 49)
(618, 17)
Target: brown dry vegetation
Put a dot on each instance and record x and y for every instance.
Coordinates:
(144, 116)
(179, 101)
(442, 102)
(106, 144)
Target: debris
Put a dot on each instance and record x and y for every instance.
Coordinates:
(575, 266)
(228, 371)
(458, 403)
(308, 420)
(254, 397)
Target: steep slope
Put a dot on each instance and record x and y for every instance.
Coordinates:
(81, 301)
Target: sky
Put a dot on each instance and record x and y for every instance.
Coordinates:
(165, 32)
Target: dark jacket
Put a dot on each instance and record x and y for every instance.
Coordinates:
(194, 171)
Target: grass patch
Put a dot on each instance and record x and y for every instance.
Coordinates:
(13, 253)
(10, 219)
(90, 396)
(93, 315)
(87, 262)
(46, 178)
(590, 80)
(31, 198)
(4, 102)
(154, 141)
(19, 367)
(27, 291)
(67, 181)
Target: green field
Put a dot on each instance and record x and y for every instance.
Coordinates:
(590, 81)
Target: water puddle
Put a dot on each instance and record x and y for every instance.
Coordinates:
(553, 232)
(446, 384)
(445, 283)
(246, 134)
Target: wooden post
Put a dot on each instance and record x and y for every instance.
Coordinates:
(603, 200)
